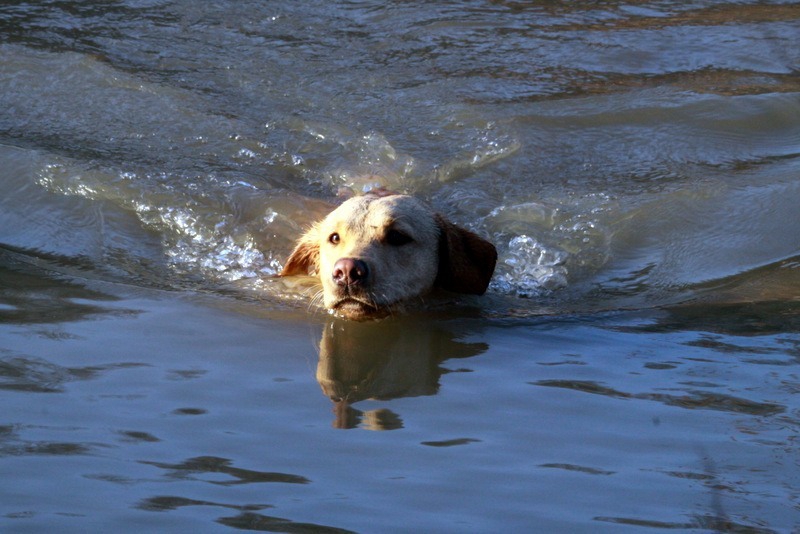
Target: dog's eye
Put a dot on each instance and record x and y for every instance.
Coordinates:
(396, 238)
(334, 239)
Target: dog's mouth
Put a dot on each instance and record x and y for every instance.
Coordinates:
(354, 308)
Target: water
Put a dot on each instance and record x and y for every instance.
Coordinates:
(634, 365)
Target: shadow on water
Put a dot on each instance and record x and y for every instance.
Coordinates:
(395, 358)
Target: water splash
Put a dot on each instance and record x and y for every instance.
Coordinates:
(545, 247)
(217, 252)
(209, 228)
(529, 268)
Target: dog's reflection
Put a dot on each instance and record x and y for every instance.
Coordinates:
(383, 360)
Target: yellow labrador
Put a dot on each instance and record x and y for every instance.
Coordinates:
(376, 252)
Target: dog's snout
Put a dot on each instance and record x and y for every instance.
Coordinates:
(350, 271)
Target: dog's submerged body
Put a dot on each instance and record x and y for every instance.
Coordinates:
(376, 252)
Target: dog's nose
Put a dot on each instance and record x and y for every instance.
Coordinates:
(350, 271)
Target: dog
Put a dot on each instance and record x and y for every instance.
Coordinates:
(377, 252)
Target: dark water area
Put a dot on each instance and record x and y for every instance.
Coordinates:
(634, 366)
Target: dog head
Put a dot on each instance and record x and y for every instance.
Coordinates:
(376, 252)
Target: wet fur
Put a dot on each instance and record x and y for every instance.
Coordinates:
(432, 253)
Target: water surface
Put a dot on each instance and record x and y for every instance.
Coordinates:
(634, 365)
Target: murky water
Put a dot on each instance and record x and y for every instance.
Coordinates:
(634, 365)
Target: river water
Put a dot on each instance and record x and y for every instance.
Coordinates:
(635, 365)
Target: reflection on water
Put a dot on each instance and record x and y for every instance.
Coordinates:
(386, 360)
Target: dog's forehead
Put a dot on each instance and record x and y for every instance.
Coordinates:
(398, 207)
(379, 211)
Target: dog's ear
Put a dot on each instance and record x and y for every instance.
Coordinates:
(466, 260)
(304, 259)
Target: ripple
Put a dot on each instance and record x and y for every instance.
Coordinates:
(190, 411)
(136, 436)
(211, 464)
(36, 375)
(253, 521)
(45, 448)
(706, 522)
(578, 468)
(451, 442)
(692, 400)
(168, 503)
